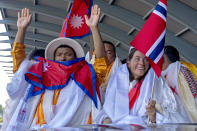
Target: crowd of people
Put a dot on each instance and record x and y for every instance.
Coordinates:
(103, 92)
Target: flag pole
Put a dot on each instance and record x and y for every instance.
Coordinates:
(91, 47)
(152, 94)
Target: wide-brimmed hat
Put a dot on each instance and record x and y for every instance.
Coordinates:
(54, 44)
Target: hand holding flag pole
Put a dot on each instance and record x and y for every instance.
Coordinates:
(152, 93)
(151, 39)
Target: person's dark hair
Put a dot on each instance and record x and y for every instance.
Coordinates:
(124, 61)
(131, 53)
(172, 53)
(131, 77)
(36, 52)
(110, 43)
(66, 46)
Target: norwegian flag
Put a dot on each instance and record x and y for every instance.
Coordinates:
(151, 39)
(75, 26)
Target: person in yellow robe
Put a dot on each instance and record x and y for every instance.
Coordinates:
(39, 114)
(106, 60)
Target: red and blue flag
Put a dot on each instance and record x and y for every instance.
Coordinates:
(52, 75)
(75, 26)
(151, 39)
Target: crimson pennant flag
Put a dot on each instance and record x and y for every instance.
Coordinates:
(75, 26)
(151, 39)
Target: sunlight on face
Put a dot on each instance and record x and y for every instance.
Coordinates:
(138, 65)
(64, 54)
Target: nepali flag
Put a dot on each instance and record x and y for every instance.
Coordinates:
(151, 39)
(75, 26)
(53, 75)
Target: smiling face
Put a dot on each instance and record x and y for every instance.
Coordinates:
(138, 65)
(64, 54)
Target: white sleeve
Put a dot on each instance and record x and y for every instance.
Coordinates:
(18, 84)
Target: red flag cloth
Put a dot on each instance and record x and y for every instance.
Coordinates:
(47, 74)
(134, 93)
(151, 39)
(75, 26)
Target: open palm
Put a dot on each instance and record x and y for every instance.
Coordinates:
(94, 18)
(24, 18)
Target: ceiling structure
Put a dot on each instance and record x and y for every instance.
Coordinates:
(120, 22)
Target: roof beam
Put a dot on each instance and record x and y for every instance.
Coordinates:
(118, 13)
(133, 19)
(8, 66)
(131, 31)
(35, 24)
(43, 40)
(4, 41)
(35, 2)
(108, 30)
(111, 2)
(4, 16)
(105, 29)
(8, 70)
(115, 34)
(69, 6)
(186, 50)
(40, 9)
(40, 37)
(30, 37)
(34, 43)
(5, 56)
(188, 15)
(148, 14)
(9, 73)
(101, 18)
(10, 76)
(182, 31)
(6, 61)
(5, 49)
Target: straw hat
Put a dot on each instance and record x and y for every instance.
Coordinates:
(54, 44)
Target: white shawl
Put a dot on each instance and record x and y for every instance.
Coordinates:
(73, 106)
(116, 104)
(17, 89)
(172, 73)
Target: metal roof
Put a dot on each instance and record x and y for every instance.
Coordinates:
(120, 22)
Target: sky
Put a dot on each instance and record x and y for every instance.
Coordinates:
(4, 79)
